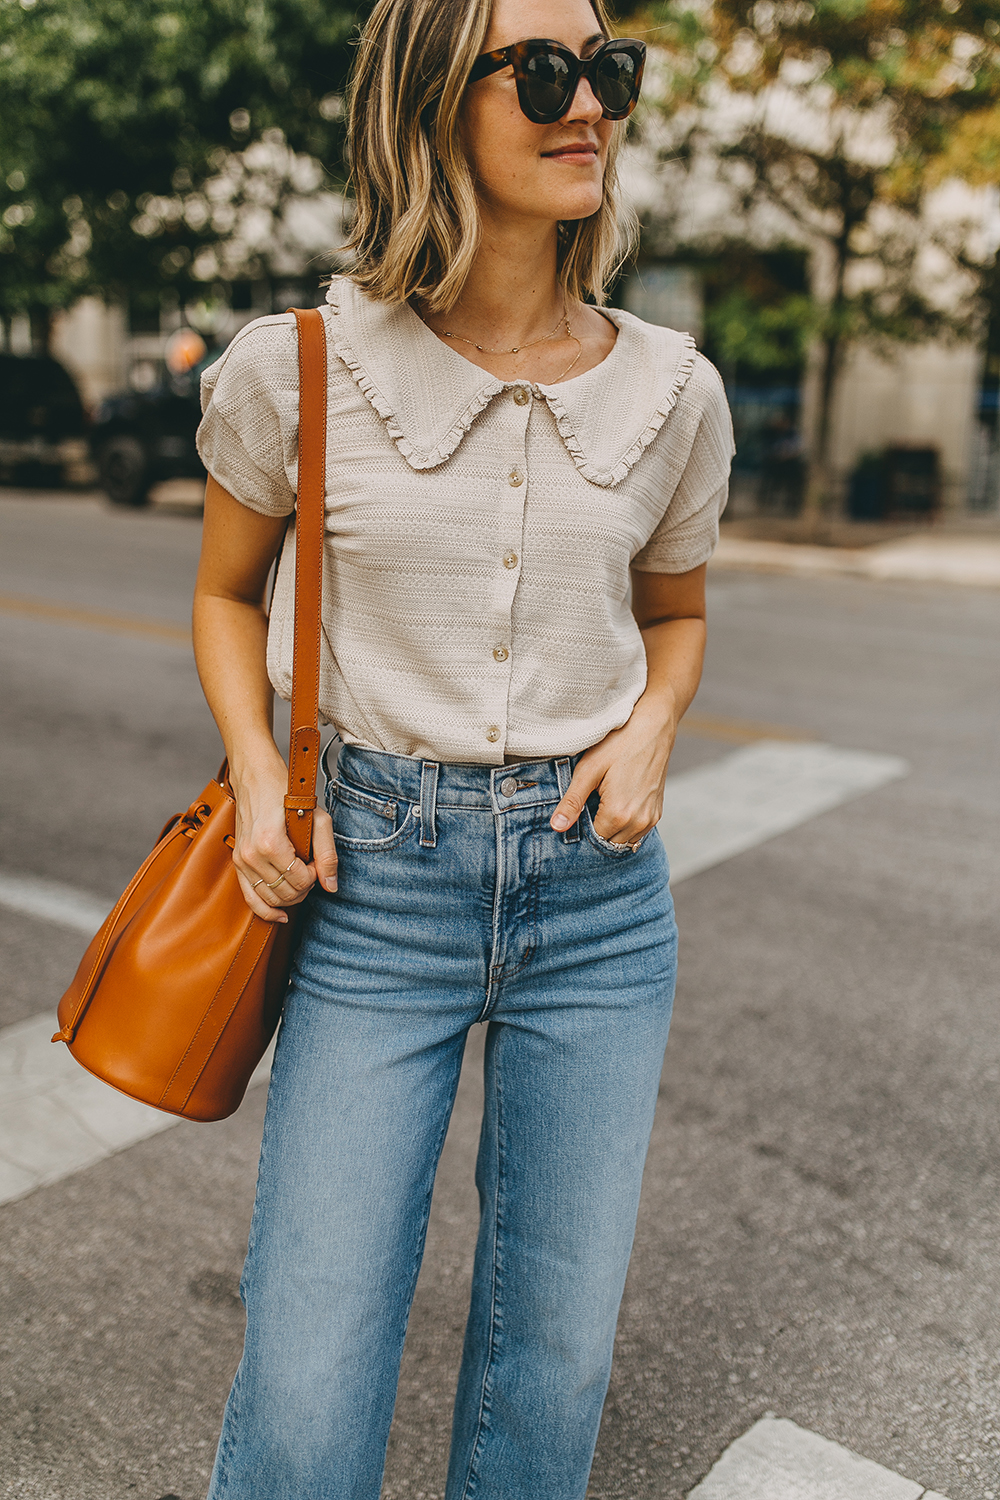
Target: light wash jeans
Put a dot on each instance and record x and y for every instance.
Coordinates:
(457, 903)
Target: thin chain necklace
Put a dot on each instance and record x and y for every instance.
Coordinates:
(561, 321)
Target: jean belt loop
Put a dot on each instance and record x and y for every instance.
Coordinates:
(428, 803)
(564, 775)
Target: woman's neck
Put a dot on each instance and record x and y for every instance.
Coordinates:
(512, 300)
(512, 295)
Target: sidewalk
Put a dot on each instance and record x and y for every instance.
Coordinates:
(924, 557)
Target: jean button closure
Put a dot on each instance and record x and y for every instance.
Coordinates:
(508, 786)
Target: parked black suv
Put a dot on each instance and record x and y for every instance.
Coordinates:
(141, 437)
(43, 424)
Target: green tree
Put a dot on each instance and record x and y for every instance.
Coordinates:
(842, 116)
(110, 103)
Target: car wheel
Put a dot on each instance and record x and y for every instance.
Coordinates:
(123, 465)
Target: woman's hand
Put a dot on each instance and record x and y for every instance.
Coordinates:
(629, 765)
(272, 876)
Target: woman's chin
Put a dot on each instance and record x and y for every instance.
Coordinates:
(575, 205)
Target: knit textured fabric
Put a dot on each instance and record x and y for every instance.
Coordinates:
(479, 532)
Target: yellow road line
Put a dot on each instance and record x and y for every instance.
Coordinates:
(93, 619)
(740, 731)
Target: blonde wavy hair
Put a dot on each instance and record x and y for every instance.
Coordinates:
(415, 231)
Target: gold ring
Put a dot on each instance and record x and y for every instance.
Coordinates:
(272, 883)
(257, 883)
(290, 866)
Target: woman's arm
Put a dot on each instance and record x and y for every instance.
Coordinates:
(630, 764)
(230, 646)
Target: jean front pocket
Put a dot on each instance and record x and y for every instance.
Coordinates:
(616, 851)
(364, 820)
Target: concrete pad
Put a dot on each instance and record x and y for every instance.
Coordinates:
(776, 1460)
(722, 809)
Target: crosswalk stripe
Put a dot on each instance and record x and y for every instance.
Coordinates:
(56, 1119)
(734, 804)
(53, 902)
(777, 1460)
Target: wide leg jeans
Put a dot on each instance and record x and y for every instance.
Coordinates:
(457, 904)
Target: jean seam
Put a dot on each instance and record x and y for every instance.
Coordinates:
(534, 882)
(227, 1445)
(367, 801)
(494, 971)
(391, 842)
(482, 1419)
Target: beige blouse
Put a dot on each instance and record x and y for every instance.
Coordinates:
(479, 532)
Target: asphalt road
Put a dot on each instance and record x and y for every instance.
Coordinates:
(819, 1229)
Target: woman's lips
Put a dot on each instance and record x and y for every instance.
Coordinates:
(573, 153)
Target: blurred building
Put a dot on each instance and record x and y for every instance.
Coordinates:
(937, 399)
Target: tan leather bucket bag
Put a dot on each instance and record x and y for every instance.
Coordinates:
(178, 995)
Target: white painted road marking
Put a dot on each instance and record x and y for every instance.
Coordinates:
(776, 1460)
(56, 1119)
(734, 804)
(53, 902)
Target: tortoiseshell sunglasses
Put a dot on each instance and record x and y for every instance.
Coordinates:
(547, 75)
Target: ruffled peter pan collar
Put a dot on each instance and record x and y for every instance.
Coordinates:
(429, 396)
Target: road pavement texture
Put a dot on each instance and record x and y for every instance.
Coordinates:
(815, 1271)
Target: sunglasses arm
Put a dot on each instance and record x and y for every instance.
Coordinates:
(489, 62)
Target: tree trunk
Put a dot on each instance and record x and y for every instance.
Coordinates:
(817, 502)
(40, 316)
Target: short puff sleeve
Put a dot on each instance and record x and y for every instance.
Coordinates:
(248, 437)
(687, 534)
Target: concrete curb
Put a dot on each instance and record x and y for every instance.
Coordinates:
(972, 561)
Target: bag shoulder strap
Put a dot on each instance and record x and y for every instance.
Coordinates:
(310, 519)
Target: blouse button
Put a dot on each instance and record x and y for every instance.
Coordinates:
(521, 396)
(510, 560)
(515, 477)
(493, 734)
(500, 653)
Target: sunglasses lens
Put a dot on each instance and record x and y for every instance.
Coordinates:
(616, 84)
(547, 83)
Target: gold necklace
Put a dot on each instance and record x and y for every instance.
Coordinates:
(563, 319)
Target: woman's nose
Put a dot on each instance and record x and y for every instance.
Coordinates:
(584, 105)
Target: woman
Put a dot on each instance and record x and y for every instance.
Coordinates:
(501, 454)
